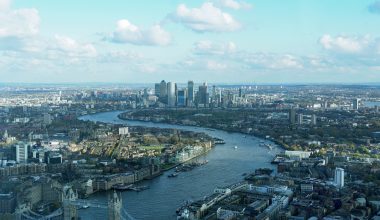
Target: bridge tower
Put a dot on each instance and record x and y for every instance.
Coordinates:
(69, 209)
(114, 207)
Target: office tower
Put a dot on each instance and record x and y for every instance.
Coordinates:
(190, 93)
(300, 119)
(181, 97)
(240, 92)
(355, 104)
(21, 153)
(214, 92)
(339, 177)
(47, 119)
(157, 89)
(171, 94)
(220, 97)
(163, 90)
(313, 119)
(292, 116)
(203, 95)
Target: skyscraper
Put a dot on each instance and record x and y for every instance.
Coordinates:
(181, 97)
(171, 94)
(355, 104)
(339, 177)
(21, 153)
(300, 118)
(203, 95)
(313, 119)
(163, 90)
(157, 89)
(292, 116)
(190, 93)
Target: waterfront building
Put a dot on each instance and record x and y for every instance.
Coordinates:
(339, 177)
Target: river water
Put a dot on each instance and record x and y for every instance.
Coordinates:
(226, 166)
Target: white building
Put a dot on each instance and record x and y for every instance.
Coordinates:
(339, 177)
(123, 131)
(21, 153)
(171, 89)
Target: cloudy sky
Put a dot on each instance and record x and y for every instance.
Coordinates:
(223, 41)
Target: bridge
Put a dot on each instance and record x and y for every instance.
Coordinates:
(71, 204)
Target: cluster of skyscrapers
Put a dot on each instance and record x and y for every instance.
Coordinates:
(172, 96)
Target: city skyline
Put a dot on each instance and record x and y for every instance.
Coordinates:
(218, 41)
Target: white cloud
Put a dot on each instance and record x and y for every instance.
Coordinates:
(270, 61)
(235, 4)
(126, 32)
(207, 18)
(206, 47)
(213, 65)
(19, 23)
(345, 44)
(73, 48)
(4, 5)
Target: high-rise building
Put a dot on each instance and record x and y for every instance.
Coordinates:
(21, 153)
(313, 119)
(181, 97)
(203, 97)
(355, 104)
(190, 93)
(292, 116)
(339, 177)
(163, 90)
(171, 94)
(157, 89)
(300, 119)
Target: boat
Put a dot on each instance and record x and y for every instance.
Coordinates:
(85, 207)
(173, 175)
(269, 146)
(235, 147)
(122, 186)
(139, 188)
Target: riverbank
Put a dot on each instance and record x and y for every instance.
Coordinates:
(253, 134)
(225, 166)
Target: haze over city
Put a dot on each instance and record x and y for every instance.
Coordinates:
(190, 110)
(222, 41)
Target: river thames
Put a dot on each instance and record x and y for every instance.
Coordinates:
(226, 166)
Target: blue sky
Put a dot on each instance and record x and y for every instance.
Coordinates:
(223, 41)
